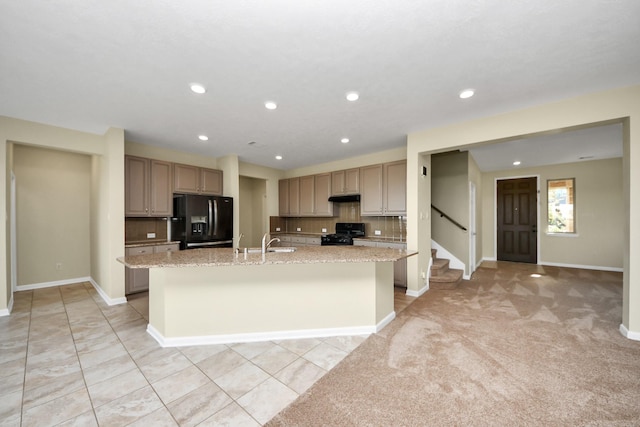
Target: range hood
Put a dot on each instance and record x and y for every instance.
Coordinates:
(345, 199)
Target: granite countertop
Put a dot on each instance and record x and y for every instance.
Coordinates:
(227, 257)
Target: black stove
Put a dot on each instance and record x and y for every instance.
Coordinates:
(345, 232)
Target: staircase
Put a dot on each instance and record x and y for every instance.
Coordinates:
(443, 277)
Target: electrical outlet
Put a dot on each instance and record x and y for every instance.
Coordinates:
(377, 232)
(324, 230)
(58, 266)
(277, 228)
(151, 235)
(298, 229)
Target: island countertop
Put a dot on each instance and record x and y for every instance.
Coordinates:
(228, 257)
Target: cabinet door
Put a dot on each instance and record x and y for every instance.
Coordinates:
(294, 196)
(395, 188)
(160, 196)
(352, 181)
(283, 197)
(322, 187)
(307, 195)
(186, 178)
(371, 190)
(211, 182)
(171, 247)
(400, 273)
(337, 183)
(136, 178)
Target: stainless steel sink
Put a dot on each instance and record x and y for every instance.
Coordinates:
(271, 249)
(282, 249)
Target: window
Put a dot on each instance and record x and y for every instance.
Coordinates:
(561, 205)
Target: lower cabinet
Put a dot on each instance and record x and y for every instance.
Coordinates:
(399, 267)
(137, 279)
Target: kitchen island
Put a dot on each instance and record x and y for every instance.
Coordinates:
(212, 296)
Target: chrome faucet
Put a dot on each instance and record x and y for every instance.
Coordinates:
(238, 241)
(265, 244)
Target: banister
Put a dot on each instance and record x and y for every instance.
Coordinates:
(453, 221)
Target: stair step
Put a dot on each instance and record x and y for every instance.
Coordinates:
(447, 280)
(439, 266)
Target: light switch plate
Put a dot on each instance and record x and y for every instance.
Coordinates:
(298, 229)
(377, 232)
(151, 235)
(277, 228)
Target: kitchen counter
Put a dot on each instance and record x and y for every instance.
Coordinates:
(227, 257)
(213, 296)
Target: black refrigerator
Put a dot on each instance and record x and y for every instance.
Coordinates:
(202, 221)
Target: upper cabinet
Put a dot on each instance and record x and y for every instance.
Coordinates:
(345, 182)
(322, 191)
(196, 180)
(394, 198)
(147, 187)
(383, 189)
(305, 196)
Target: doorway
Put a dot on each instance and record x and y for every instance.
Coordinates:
(517, 220)
(254, 221)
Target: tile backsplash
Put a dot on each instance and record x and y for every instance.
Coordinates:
(390, 227)
(136, 229)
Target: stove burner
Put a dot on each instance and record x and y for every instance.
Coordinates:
(345, 232)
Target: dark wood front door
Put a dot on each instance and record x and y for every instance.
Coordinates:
(517, 220)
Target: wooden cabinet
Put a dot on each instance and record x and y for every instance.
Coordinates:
(395, 188)
(383, 189)
(196, 180)
(283, 197)
(345, 182)
(137, 279)
(399, 267)
(289, 197)
(305, 196)
(147, 187)
(322, 191)
(371, 190)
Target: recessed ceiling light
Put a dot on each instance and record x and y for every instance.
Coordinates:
(516, 163)
(467, 93)
(278, 157)
(197, 88)
(270, 105)
(203, 137)
(344, 140)
(352, 96)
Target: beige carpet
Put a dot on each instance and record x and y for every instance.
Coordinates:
(504, 349)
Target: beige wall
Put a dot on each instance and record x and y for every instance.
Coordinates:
(599, 239)
(107, 185)
(619, 105)
(252, 211)
(450, 194)
(352, 162)
(53, 214)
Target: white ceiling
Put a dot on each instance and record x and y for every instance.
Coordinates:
(94, 64)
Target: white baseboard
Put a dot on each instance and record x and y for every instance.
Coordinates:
(103, 295)
(267, 336)
(7, 311)
(629, 334)
(109, 301)
(582, 266)
(52, 284)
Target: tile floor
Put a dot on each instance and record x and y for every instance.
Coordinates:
(67, 358)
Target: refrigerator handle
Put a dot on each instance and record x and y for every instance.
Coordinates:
(215, 217)
(210, 218)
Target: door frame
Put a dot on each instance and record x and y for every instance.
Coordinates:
(495, 212)
(473, 233)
